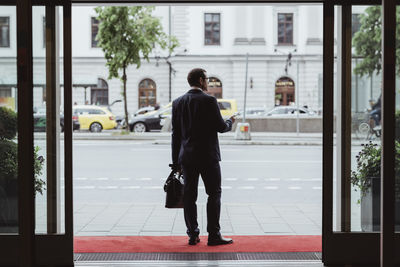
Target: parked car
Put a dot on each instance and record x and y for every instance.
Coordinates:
(150, 121)
(154, 120)
(252, 112)
(143, 110)
(39, 122)
(95, 118)
(290, 111)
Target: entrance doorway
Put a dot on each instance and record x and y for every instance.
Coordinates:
(54, 245)
(147, 93)
(284, 92)
(214, 87)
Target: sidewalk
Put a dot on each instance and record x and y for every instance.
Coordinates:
(258, 138)
(126, 219)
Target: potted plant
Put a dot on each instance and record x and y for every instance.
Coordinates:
(9, 170)
(367, 179)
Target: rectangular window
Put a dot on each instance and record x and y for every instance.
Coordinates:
(95, 30)
(5, 92)
(99, 97)
(44, 32)
(4, 31)
(355, 24)
(285, 28)
(212, 28)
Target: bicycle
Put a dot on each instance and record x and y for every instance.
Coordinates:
(364, 126)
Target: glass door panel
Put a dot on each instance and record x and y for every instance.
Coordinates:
(8, 122)
(397, 126)
(353, 235)
(366, 89)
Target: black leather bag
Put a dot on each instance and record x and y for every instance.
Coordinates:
(174, 188)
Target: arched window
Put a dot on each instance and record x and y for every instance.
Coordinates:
(147, 93)
(284, 92)
(215, 87)
(99, 94)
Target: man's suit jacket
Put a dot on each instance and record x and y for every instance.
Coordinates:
(196, 119)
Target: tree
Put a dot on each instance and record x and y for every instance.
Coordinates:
(368, 41)
(127, 35)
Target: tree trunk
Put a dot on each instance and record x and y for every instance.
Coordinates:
(125, 100)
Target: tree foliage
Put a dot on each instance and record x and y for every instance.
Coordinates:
(127, 35)
(368, 41)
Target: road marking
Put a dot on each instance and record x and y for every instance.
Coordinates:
(101, 179)
(85, 187)
(246, 187)
(144, 179)
(252, 179)
(153, 187)
(294, 187)
(108, 187)
(80, 178)
(201, 187)
(272, 179)
(124, 179)
(226, 187)
(317, 187)
(305, 179)
(230, 179)
(273, 161)
(150, 149)
(271, 187)
(130, 187)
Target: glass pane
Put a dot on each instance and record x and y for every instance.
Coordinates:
(39, 106)
(336, 69)
(366, 92)
(8, 124)
(216, 18)
(397, 125)
(50, 154)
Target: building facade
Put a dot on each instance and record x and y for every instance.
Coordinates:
(216, 38)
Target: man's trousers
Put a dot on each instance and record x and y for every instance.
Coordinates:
(211, 175)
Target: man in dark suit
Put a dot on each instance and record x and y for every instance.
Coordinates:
(196, 120)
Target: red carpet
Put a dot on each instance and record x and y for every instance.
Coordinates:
(115, 244)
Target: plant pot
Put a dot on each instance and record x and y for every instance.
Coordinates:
(9, 206)
(371, 208)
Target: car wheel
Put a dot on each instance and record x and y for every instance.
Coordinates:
(139, 127)
(95, 127)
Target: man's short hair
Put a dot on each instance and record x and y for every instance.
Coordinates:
(195, 75)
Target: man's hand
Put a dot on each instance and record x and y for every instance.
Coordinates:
(176, 167)
(233, 118)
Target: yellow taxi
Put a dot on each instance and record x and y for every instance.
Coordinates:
(94, 118)
(228, 107)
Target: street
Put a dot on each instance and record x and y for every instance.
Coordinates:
(134, 171)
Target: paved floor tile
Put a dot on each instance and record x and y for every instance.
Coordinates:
(276, 227)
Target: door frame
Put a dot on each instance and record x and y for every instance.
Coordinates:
(337, 247)
(26, 248)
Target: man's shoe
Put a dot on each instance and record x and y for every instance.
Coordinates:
(193, 240)
(219, 240)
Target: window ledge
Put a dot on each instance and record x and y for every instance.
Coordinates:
(247, 41)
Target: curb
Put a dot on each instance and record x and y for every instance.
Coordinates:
(269, 143)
